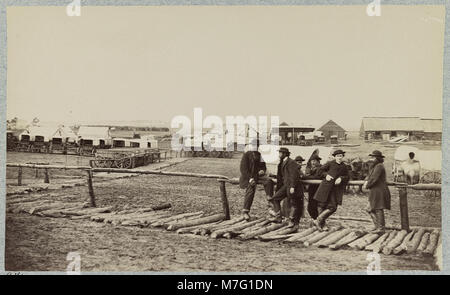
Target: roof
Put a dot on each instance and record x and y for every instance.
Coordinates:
(431, 125)
(392, 124)
(331, 126)
(47, 132)
(93, 132)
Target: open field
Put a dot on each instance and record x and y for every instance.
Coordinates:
(40, 243)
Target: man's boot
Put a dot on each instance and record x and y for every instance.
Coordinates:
(320, 221)
(380, 221)
(373, 216)
(276, 218)
(245, 215)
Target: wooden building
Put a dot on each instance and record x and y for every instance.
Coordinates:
(332, 129)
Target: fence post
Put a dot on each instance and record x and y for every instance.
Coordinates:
(91, 188)
(223, 196)
(403, 198)
(19, 177)
(47, 179)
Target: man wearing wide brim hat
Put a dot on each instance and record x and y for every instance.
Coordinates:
(290, 187)
(379, 195)
(331, 189)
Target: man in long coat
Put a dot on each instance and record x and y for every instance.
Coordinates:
(331, 189)
(291, 188)
(379, 196)
(253, 170)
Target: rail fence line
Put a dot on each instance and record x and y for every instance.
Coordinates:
(401, 187)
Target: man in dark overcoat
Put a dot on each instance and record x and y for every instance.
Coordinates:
(253, 170)
(291, 188)
(331, 189)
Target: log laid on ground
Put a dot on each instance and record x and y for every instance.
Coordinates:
(203, 220)
(411, 247)
(87, 211)
(190, 229)
(254, 227)
(267, 238)
(161, 207)
(17, 208)
(321, 236)
(55, 212)
(120, 217)
(431, 247)
(80, 217)
(270, 227)
(392, 235)
(222, 224)
(279, 232)
(176, 217)
(346, 240)
(143, 219)
(377, 242)
(23, 200)
(101, 217)
(185, 218)
(395, 242)
(362, 242)
(47, 207)
(423, 243)
(239, 226)
(305, 238)
(403, 246)
(333, 238)
(301, 234)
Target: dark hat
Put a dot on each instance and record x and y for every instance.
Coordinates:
(377, 154)
(299, 159)
(315, 157)
(337, 152)
(284, 150)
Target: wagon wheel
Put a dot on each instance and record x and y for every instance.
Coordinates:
(124, 163)
(214, 154)
(432, 177)
(227, 154)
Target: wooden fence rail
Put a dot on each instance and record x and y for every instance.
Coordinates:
(402, 187)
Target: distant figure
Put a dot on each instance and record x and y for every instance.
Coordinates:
(411, 169)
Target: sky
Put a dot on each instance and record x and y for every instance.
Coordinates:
(305, 64)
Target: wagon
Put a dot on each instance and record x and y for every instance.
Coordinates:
(125, 158)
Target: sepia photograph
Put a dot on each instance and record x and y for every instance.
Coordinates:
(223, 139)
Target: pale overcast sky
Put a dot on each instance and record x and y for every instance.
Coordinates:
(306, 64)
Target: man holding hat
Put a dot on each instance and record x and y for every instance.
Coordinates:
(379, 196)
(253, 170)
(331, 189)
(291, 188)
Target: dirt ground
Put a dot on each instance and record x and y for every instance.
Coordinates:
(37, 243)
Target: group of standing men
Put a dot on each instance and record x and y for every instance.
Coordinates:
(323, 198)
